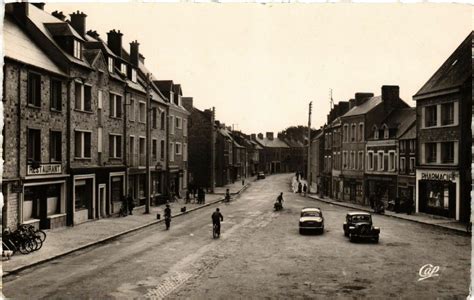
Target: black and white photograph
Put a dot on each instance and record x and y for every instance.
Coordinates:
(230, 150)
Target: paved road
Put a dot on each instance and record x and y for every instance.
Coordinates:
(259, 255)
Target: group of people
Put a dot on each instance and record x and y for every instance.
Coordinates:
(198, 194)
(407, 204)
(128, 204)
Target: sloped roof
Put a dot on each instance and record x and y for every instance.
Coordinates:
(164, 85)
(20, 47)
(273, 143)
(41, 18)
(410, 133)
(90, 55)
(364, 107)
(62, 29)
(453, 72)
(401, 119)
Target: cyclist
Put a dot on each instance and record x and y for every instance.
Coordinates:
(279, 202)
(167, 216)
(216, 220)
(227, 196)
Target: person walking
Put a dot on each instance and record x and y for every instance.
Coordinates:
(305, 189)
(130, 203)
(300, 187)
(167, 216)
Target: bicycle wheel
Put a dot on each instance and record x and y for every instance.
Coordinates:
(41, 234)
(25, 246)
(38, 242)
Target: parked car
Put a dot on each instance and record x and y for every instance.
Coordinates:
(260, 175)
(312, 219)
(358, 225)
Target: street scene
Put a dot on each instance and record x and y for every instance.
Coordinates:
(237, 151)
(260, 254)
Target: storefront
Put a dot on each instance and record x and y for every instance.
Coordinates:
(83, 198)
(438, 192)
(406, 190)
(117, 190)
(384, 188)
(337, 190)
(353, 190)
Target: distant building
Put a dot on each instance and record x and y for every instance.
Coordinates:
(275, 155)
(444, 111)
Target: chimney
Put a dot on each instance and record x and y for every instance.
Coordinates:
(40, 5)
(20, 10)
(260, 136)
(351, 103)
(343, 108)
(78, 22)
(361, 98)
(59, 15)
(280, 135)
(188, 104)
(253, 136)
(390, 96)
(270, 135)
(93, 34)
(134, 54)
(114, 41)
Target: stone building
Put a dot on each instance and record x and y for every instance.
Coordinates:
(274, 156)
(224, 155)
(407, 162)
(444, 113)
(316, 161)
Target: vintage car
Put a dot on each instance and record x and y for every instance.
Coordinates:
(260, 175)
(358, 226)
(311, 219)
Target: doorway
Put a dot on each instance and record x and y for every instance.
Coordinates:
(101, 211)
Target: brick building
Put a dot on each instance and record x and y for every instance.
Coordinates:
(443, 106)
(224, 155)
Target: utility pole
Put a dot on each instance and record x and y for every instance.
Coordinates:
(331, 101)
(308, 170)
(148, 146)
(213, 150)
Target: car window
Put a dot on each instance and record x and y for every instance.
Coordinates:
(311, 214)
(361, 218)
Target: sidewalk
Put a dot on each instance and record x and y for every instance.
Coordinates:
(62, 241)
(415, 217)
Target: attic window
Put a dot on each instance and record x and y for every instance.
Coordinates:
(77, 49)
(376, 132)
(134, 75)
(123, 68)
(111, 64)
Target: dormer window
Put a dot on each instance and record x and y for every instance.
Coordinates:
(123, 68)
(77, 49)
(171, 97)
(111, 64)
(179, 101)
(385, 132)
(376, 133)
(134, 75)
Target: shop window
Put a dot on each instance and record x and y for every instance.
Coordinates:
(447, 152)
(34, 89)
(115, 106)
(431, 152)
(431, 115)
(34, 145)
(162, 150)
(55, 146)
(447, 113)
(30, 204)
(82, 194)
(56, 95)
(402, 165)
(82, 143)
(438, 193)
(53, 199)
(115, 146)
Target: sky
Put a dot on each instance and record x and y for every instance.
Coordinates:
(259, 65)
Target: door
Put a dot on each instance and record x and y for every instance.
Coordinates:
(100, 208)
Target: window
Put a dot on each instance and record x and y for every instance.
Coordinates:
(380, 161)
(55, 146)
(154, 149)
(376, 133)
(163, 120)
(180, 103)
(370, 160)
(115, 146)
(346, 133)
(344, 159)
(141, 150)
(162, 150)
(132, 110)
(361, 160)
(132, 150)
(402, 147)
(34, 145)
(142, 112)
(178, 148)
(111, 64)
(185, 127)
(82, 143)
(178, 123)
(402, 165)
(115, 106)
(99, 99)
(99, 139)
(134, 75)
(56, 95)
(353, 132)
(172, 152)
(123, 68)
(447, 113)
(391, 161)
(431, 152)
(34, 89)
(155, 118)
(431, 115)
(352, 160)
(412, 165)
(77, 49)
(171, 124)
(185, 152)
(361, 132)
(447, 152)
(171, 97)
(412, 146)
(83, 97)
(385, 132)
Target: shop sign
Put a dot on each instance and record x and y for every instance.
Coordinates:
(44, 169)
(438, 176)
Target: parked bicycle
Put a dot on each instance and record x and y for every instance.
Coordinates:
(25, 239)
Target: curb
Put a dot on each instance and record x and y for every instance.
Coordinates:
(112, 237)
(459, 231)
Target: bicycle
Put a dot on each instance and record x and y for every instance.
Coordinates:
(216, 232)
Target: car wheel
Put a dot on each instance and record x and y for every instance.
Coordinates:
(321, 231)
(376, 240)
(351, 238)
(346, 234)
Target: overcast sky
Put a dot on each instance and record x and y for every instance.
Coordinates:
(260, 65)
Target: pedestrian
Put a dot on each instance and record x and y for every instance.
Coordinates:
(167, 216)
(305, 188)
(130, 202)
(300, 187)
(188, 196)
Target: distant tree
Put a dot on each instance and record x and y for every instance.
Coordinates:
(298, 133)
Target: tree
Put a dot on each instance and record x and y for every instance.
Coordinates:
(298, 133)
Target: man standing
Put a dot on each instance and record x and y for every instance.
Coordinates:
(167, 216)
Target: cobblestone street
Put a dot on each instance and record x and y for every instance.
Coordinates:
(187, 263)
